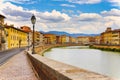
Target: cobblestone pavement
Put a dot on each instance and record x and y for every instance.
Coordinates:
(17, 68)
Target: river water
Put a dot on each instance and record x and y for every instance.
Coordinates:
(103, 62)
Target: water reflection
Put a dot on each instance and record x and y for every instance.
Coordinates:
(103, 62)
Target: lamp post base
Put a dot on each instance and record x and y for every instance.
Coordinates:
(33, 51)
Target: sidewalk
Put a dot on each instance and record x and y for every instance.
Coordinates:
(17, 68)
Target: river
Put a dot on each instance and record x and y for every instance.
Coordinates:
(103, 62)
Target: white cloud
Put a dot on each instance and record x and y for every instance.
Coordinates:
(54, 16)
(22, 1)
(56, 20)
(67, 5)
(19, 16)
(112, 18)
(1, 1)
(68, 11)
(84, 1)
(115, 2)
(112, 12)
(88, 17)
(113, 21)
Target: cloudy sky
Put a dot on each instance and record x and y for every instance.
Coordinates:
(73, 16)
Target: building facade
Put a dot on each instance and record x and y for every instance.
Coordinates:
(97, 39)
(37, 38)
(73, 40)
(50, 38)
(110, 37)
(58, 39)
(63, 39)
(115, 37)
(3, 44)
(83, 40)
(16, 38)
(41, 39)
(29, 31)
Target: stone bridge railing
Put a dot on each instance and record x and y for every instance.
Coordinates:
(48, 69)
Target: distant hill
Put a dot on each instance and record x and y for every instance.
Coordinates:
(68, 34)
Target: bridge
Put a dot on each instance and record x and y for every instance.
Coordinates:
(27, 66)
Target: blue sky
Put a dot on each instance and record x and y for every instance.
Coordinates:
(59, 5)
(73, 16)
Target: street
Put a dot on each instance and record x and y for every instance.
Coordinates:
(7, 54)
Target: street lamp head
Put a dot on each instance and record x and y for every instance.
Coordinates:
(33, 19)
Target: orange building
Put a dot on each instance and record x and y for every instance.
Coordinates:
(26, 28)
(91, 40)
(58, 39)
(102, 38)
(50, 38)
(29, 31)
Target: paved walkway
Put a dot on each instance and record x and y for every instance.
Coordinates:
(17, 68)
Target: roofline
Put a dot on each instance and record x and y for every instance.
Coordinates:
(2, 16)
(15, 28)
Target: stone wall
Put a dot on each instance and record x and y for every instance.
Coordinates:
(48, 69)
(107, 47)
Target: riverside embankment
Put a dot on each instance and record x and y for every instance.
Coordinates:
(48, 69)
(107, 47)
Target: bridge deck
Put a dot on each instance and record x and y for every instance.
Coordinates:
(17, 68)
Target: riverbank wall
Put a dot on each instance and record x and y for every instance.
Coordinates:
(106, 47)
(48, 69)
(42, 48)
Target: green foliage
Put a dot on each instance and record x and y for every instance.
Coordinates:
(105, 49)
(48, 50)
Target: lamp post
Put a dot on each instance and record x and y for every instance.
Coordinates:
(33, 20)
(20, 43)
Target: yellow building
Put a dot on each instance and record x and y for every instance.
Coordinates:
(97, 39)
(73, 40)
(115, 37)
(83, 40)
(63, 39)
(110, 37)
(107, 36)
(29, 31)
(16, 37)
(50, 38)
